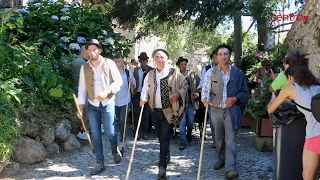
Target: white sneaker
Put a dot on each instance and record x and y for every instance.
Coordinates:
(82, 135)
(102, 129)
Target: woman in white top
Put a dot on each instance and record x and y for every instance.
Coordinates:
(123, 97)
(300, 83)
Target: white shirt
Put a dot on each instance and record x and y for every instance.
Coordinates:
(203, 75)
(159, 75)
(97, 84)
(206, 89)
(123, 96)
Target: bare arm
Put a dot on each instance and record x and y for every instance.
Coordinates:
(287, 92)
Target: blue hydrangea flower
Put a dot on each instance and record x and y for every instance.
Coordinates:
(31, 1)
(66, 6)
(109, 40)
(64, 10)
(104, 32)
(51, 1)
(55, 17)
(81, 39)
(37, 5)
(64, 18)
(64, 38)
(74, 46)
(23, 10)
(59, 3)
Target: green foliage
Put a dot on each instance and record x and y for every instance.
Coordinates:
(62, 26)
(258, 104)
(8, 128)
(8, 88)
(207, 13)
(49, 87)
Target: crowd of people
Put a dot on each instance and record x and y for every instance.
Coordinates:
(169, 97)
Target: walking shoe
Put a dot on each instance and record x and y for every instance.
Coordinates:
(145, 137)
(117, 157)
(182, 145)
(102, 129)
(82, 135)
(162, 174)
(214, 145)
(168, 158)
(98, 169)
(219, 164)
(189, 138)
(232, 175)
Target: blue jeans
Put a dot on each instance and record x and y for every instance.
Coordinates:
(225, 138)
(121, 115)
(106, 113)
(211, 125)
(187, 121)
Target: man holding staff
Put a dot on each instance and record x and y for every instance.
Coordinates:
(165, 89)
(226, 88)
(99, 81)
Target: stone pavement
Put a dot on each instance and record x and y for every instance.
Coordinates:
(251, 164)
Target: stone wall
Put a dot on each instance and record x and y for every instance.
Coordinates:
(304, 36)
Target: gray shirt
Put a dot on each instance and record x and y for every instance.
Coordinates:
(303, 97)
(76, 66)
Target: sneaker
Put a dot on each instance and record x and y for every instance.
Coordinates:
(117, 157)
(98, 169)
(102, 129)
(82, 135)
(232, 175)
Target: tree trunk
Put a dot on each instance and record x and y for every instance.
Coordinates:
(262, 31)
(237, 40)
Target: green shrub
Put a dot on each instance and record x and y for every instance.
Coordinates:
(63, 26)
(8, 128)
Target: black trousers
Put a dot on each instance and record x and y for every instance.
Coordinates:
(145, 114)
(164, 133)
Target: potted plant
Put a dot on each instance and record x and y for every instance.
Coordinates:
(258, 107)
(247, 118)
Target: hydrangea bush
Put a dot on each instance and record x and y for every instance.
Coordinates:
(63, 26)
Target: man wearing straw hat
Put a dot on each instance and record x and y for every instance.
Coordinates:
(225, 89)
(99, 81)
(165, 89)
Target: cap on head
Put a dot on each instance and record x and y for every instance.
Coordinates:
(162, 50)
(180, 60)
(94, 42)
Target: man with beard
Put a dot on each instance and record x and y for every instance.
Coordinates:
(99, 81)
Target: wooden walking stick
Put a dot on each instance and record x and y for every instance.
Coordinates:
(125, 125)
(134, 144)
(82, 121)
(202, 141)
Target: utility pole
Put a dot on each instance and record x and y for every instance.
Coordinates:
(237, 39)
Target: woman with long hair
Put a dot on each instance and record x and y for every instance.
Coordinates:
(300, 83)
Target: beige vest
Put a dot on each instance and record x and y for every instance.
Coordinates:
(88, 74)
(216, 87)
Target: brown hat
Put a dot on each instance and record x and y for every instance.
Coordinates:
(94, 42)
(143, 56)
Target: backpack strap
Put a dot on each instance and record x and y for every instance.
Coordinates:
(208, 67)
(302, 107)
